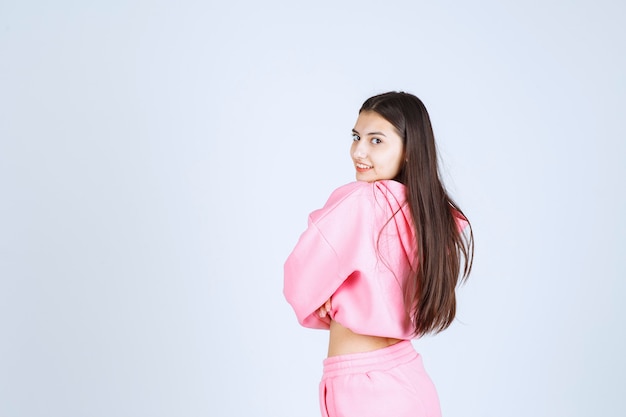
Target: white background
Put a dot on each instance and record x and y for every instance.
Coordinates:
(158, 160)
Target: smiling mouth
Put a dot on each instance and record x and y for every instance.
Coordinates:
(363, 166)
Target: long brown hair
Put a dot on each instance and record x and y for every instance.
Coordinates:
(443, 252)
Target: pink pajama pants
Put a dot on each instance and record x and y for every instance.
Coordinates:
(383, 383)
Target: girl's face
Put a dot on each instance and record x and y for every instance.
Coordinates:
(377, 150)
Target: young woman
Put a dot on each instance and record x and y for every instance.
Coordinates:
(379, 264)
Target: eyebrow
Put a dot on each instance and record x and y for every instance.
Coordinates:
(371, 133)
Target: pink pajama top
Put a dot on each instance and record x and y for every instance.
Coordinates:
(358, 249)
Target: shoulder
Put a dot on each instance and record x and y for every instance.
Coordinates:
(356, 189)
(362, 196)
(368, 190)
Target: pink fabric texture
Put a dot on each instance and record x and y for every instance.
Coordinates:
(358, 249)
(386, 382)
(354, 253)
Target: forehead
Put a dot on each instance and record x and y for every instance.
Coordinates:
(370, 121)
(370, 118)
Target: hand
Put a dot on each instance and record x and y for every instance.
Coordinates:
(324, 309)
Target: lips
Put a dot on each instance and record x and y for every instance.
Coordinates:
(362, 167)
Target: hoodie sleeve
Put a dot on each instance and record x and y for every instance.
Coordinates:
(328, 252)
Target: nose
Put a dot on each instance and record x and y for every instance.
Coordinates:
(359, 150)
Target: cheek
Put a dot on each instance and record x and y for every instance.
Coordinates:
(396, 161)
(398, 165)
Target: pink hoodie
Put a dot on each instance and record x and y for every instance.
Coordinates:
(357, 251)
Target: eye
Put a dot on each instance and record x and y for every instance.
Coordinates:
(376, 141)
(355, 137)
